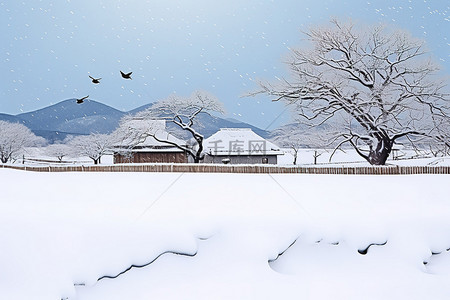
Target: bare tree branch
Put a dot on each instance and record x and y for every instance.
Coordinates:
(379, 78)
(181, 111)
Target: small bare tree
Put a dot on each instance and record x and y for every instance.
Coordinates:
(93, 146)
(58, 150)
(375, 82)
(14, 137)
(290, 138)
(183, 113)
(297, 137)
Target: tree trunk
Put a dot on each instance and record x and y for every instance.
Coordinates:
(316, 155)
(380, 154)
(295, 155)
(198, 155)
(198, 158)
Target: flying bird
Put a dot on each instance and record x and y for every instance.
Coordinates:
(95, 80)
(81, 100)
(126, 76)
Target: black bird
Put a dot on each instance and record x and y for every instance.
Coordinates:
(126, 76)
(95, 80)
(81, 100)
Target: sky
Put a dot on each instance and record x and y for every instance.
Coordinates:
(49, 48)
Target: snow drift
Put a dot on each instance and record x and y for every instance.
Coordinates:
(223, 236)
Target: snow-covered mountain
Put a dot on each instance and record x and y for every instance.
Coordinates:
(67, 117)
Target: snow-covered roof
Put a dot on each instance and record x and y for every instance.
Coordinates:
(239, 141)
(139, 126)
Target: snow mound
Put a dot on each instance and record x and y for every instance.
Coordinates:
(223, 236)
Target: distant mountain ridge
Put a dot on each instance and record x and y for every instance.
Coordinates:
(9, 118)
(59, 120)
(68, 116)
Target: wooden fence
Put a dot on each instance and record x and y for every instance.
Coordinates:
(256, 169)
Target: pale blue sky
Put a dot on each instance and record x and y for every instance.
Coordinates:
(48, 48)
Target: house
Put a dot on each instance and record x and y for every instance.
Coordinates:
(137, 147)
(239, 146)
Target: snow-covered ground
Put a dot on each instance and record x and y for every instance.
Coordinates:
(349, 157)
(225, 236)
(35, 156)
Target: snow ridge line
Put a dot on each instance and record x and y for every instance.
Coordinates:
(365, 250)
(146, 264)
(360, 251)
(282, 252)
(434, 254)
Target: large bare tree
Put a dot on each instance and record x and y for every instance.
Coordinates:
(14, 137)
(183, 112)
(377, 83)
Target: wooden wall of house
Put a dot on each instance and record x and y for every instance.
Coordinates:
(152, 157)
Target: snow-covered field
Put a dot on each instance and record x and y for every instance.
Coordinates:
(349, 157)
(223, 236)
